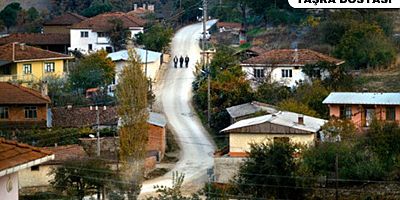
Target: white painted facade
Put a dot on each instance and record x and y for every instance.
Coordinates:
(290, 78)
(97, 43)
(9, 186)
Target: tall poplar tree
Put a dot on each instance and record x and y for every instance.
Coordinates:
(132, 109)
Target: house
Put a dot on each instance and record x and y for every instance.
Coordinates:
(22, 62)
(283, 126)
(81, 117)
(362, 108)
(22, 107)
(38, 177)
(61, 24)
(57, 42)
(151, 62)
(92, 34)
(229, 27)
(15, 157)
(248, 110)
(249, 53)
(283, 65)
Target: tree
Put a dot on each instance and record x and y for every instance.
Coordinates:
(97, 7)
(117, 34)
(78, 178)
(365, 45)
(334, 128)
(9, 14)
(269, 172)
(156, 38)
(312, 95)
(294, 106)
(272, 93)
(132, 108)
(94, 70)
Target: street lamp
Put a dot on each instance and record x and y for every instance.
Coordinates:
(98, 126)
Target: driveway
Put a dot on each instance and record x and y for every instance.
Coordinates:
(175, 97)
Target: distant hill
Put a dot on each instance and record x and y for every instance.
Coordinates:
(26, 4)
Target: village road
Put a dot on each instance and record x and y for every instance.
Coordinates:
(176, 96)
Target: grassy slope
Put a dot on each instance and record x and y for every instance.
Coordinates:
(379, 81)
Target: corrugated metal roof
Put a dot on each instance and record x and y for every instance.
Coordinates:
(368, 98)
(157, 119)
(288, 119)
(152, 56)
(250, 108)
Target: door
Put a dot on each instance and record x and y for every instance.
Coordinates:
(369, 116)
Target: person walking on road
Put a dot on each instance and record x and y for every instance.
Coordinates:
(175, 62)
(181, 61)
(187, 61)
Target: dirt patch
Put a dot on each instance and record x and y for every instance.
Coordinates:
(156, 173)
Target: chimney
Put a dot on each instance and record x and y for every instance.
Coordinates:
(134, 6)
(296, 55)
(300, 119)
(44, 88)
(144, 6)
(150, 7)
(22, 45)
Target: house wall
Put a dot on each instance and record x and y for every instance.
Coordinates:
(276, 75)
(38, 68)
(157, 140)
(358, 112)
(225, 168)
(13, 193)
(82, 44)
(29, 178)
(239, 143)
(17, 113)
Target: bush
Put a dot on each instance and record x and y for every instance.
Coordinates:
(272, 93)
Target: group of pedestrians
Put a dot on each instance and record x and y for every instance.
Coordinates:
(181, 60)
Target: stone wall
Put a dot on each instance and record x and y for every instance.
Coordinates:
(225, 168)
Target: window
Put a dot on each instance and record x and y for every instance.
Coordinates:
(259, 73)
(3, 112)
(281, 139)
(109, 49)
(31, 112)
(27, 68)
(49, 67)
(286, 73)
(102, 34)
(390, 113)
(35, 168)
(345, 112)
(84, 34)
(90, 47)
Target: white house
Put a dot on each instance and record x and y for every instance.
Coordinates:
(151, 62)
(283, 65)
(92, 34)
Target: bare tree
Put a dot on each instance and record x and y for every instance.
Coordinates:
(132, 109)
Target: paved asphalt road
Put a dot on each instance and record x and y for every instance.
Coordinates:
(176, 97)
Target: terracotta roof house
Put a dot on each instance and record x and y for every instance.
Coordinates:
(56, 42)
(92, 34)
(38, 177)
(362, 108)
(15, 157)
(79, 117)
(22, 107)
(283, 65)
(248, 110)
(27, 63)
(62, 23)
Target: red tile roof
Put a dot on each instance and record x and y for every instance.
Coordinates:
(16, 94)
(67, 19)
(37, 38)
(66, 152)
(13, 154)
(83, 116)
(100, 23)
(291, 57)
(24, 52)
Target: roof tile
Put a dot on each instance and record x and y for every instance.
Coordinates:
(37, 38)
(16, 94)
(25, 52)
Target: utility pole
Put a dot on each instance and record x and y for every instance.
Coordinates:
(145, 64)
(98, 127)
(204, 62)
(337, 176)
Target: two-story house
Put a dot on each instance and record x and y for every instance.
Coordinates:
(283, 65)
(362, 108)
(62, 23)
(22, 107)
(92, 34)
(22, 62)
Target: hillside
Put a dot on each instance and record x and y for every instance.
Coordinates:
(26, 4)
